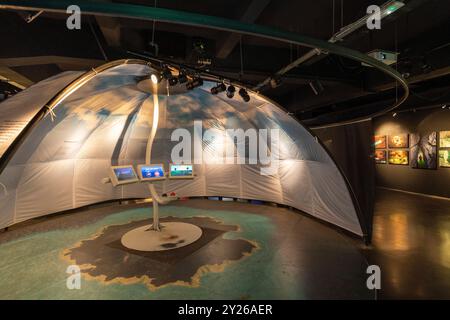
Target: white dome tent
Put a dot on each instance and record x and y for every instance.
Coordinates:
(57, 162)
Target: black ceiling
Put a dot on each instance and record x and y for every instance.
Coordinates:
(420, 32)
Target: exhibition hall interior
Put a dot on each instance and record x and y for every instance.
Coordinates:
(224, 150)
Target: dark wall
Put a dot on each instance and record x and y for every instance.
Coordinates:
(433, 182)
(351, 148)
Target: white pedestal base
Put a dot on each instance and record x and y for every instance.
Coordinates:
(172, 235)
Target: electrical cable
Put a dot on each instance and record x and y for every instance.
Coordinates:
(241, 57)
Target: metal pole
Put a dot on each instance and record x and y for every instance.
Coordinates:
(338, 36)
(148, 156)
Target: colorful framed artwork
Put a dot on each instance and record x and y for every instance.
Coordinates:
(398, 141)
(379, 142)
(380, 156)
(423, 151)
(444, 158)
(444, 139)
(399, 157)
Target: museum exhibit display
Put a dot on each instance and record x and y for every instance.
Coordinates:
(399, 157)
(380, 156)
(444, 139)
(380, 142)
(151, 172)
(444, 158)
(99, 112)
(122, 175)
(230, 158)
(444, 149)
(181, 171)
(423, 151)
(398, 141)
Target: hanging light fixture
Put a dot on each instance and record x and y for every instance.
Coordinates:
(182, 77)
(230, 91)
(220, 87)
(244, 95)
(194, 83)
(155, 77)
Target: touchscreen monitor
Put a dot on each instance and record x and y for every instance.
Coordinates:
(181, 171)
(123, 175)
(151, 172)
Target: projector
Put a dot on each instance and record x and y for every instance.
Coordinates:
(387, 57)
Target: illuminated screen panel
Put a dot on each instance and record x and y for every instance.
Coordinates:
(123, 174)
(151, 172)
(181, 171)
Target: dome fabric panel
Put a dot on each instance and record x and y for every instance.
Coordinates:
(18, 110)
(107, 122)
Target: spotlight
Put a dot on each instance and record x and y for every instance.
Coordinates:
(394, 114)
(230, 91)
(182, 77)
(196, 82)
(444, 106)
(155, 77)
(220, 87)
(244, 95)
(167, 74)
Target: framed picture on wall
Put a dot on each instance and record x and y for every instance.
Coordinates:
(398, 141)
(444, 158)
(444, 139)
(380, 156)
(399, 157)
(423, 151)
(379, 142)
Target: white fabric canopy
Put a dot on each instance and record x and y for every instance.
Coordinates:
(107, 121)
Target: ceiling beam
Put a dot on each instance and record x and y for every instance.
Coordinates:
(342, 94)
(65, 63)
(255, 8)
(14, 78)
(412, 103)
(297, 79)
(110, 28)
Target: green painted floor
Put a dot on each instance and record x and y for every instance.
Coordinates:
(32, 267)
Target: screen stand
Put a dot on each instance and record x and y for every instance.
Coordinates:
(168, 235)
(155, 226)
(161, 236)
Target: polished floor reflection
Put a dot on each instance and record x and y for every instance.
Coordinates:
(411, 244)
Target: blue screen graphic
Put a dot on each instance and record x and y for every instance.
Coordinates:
(152, 172)
(123, 174)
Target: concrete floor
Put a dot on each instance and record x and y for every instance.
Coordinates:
(299, 257)
(281, 254)
(411, 244)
